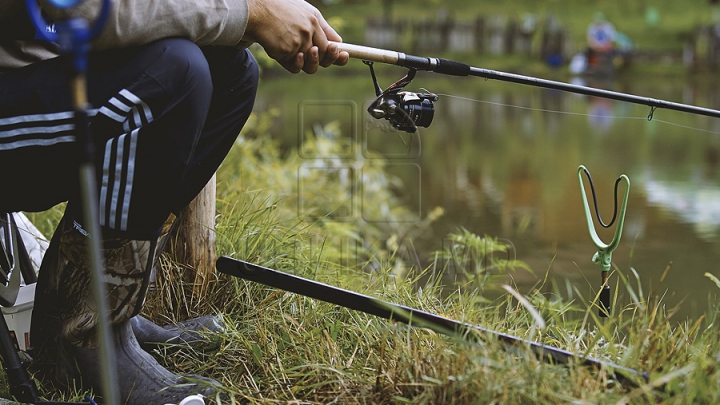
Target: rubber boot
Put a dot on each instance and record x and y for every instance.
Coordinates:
(46, 321)
(196, 333)
(142, 380)
(192, 333)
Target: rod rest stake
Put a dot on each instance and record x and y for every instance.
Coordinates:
(603, 256)
(604, 299)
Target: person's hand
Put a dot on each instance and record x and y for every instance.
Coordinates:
(295, 34)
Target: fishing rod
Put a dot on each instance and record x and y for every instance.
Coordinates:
(408, 110)
(414, 317)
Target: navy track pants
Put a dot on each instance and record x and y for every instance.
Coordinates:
(163, 117)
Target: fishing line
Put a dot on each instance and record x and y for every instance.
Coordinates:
(623, 117)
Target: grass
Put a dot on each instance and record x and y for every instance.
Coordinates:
(285, 348)
(280, 347)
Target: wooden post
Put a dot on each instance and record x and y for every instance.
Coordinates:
(480, 34)
(496, 31)
(194, 244)
(511, 32)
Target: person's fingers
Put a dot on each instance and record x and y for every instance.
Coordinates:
(299, 62)
(331, 55)
(312, 60)
(294, 65)
(319, 38)
(342, 59)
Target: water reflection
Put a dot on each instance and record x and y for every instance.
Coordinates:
(502, 159)
(695, 202)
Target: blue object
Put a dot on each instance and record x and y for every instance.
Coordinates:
(554, 60)
(72, 35)
(63, 3)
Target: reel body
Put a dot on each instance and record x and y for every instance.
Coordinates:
(405, 110)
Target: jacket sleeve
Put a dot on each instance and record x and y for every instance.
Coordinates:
(136, 22)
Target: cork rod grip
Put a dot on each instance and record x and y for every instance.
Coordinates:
(368, 53)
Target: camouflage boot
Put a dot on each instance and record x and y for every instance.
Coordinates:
(141, 379)
(46, 321)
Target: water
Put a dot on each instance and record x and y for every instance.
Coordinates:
(501, 159)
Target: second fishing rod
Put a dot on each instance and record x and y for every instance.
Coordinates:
(410, 115)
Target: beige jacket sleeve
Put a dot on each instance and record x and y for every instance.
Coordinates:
(136, 22)
(15, 54)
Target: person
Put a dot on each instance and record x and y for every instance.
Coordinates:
(600, 34)
(171, 83)
(600, 52)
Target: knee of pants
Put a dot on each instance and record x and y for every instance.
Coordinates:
(182, 69)
(251, 74)
(234, 71)
(169, 81)
(235, 81)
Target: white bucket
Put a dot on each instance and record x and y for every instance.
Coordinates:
(18, 316)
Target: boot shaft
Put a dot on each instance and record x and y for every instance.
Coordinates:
(65, 304)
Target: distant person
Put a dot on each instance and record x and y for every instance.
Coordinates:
(601, 46)
(601, 34)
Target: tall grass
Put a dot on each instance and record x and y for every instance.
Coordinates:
(280, 347)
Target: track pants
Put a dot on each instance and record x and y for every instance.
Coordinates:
(163, 117)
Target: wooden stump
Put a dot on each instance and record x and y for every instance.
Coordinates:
(193, 246)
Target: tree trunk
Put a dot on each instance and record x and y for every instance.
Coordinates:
(194, 244)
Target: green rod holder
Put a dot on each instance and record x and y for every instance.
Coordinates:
(603, 256)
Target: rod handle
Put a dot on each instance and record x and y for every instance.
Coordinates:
(439, 65)
(368, 53)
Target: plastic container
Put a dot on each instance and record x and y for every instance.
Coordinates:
(18, 316)
(192, 400)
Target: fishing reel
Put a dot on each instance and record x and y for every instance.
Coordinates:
(405, 110)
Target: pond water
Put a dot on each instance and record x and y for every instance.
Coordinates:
(501, 159)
